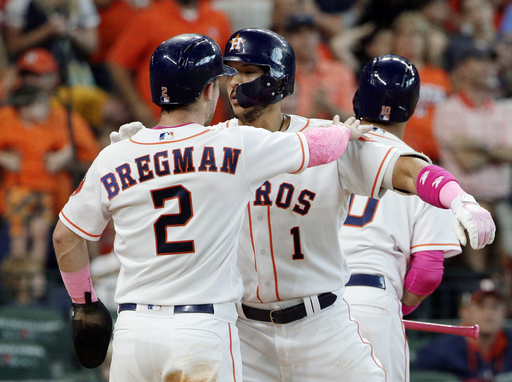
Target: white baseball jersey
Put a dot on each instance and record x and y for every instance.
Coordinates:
(289, 245)
(177, 197)
(289, 252)
(378, 238)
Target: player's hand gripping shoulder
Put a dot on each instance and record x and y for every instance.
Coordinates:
(126, 131)
(328, 144)
(354, 125)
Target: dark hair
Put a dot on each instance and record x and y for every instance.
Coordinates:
(25, 95)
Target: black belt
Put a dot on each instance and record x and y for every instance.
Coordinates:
(287, 315)
(204, 308)
(375, 281)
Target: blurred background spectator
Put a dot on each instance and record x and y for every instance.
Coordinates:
(323, 87)
(101, 110)
(128, 59)
(412, 34)
(471, 360)
(67, 28)
(474, 135)
(113, 15)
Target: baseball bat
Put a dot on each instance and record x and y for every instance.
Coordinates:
(466, 331)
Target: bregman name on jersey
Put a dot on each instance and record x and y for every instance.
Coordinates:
(147, 167)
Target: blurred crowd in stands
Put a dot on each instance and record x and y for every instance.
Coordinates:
(71, 71)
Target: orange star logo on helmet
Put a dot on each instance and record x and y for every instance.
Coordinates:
(236, 43)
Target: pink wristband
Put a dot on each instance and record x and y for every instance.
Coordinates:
(326, 144)
(449, 192)
(430, 182)
(406, 309)
(77, 283)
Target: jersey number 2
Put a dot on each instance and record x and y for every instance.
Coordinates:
(164, 247)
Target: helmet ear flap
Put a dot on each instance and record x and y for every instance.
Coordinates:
(263, 90)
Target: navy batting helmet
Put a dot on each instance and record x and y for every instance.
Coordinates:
(181, 67)
(389, 89)
(266, 48)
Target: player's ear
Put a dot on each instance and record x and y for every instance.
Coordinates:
(210, 91)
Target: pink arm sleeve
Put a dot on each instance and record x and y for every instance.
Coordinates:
(77, 283)
(426, 272)
(437, 187)
(424, 276)
(326, 144)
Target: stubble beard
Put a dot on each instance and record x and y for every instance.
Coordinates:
(251, 114)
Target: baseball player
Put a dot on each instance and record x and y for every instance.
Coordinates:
(382, 239)
(294, 323)
(177, 195)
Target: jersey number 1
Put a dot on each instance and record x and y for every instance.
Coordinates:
(164, 247)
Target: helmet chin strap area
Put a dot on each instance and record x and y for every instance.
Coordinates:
(263, 90)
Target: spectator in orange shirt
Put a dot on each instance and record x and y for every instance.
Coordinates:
(113, 15)
(35, 151)
(323, 88)
(411, 30)
(101, 110)
(128, 60)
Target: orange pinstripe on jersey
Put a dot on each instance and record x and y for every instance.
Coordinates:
(253, 249)
(399, 313)
(366, 342)
(272, 253)
(434, 245)
(231, 352)
(252, 237)
(303, 155)
(307, 124)
(77, 227)
(382, 136)
(378, 173)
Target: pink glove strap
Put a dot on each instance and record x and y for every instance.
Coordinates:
(426, 272)
(77, 283)
(449, 192)
(326, 144)
(406, 309)
(429, 183)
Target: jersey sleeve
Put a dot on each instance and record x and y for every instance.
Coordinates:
(362, 167)
(86, 212)
(433, 231)
(270, 154)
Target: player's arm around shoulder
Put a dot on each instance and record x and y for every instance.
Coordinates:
(438, 187)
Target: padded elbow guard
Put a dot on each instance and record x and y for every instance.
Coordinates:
(426, 272)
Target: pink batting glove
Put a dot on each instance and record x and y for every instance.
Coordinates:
(468, 215)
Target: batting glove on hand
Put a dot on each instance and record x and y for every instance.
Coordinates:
(126, 131)
(476, 220)
(92, 329)
(354, 125)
